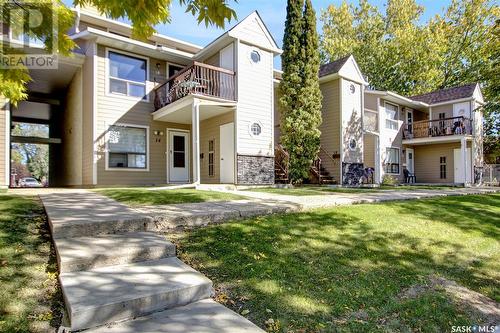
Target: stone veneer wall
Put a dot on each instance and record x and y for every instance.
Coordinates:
(255, 169)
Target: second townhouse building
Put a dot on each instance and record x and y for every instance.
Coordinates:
(377, 136)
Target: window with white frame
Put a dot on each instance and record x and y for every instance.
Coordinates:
(127, 75)
(127, 147)
(392, 161)
(391, 116)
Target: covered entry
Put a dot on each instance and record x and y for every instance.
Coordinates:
(206, 153)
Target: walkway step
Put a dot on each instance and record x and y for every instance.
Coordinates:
(108, 294)
(83, 214)
(205, 316)
(83, 253)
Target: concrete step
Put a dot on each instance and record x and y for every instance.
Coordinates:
(84, 253)
(83, 214)
(108, 294)
(205, 316)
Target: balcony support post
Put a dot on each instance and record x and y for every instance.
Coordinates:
(463, 146)
(195, 130)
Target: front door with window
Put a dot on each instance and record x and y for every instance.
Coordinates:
(178, 157)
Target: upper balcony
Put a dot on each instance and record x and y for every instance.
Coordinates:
(197, 79)
(437, 129)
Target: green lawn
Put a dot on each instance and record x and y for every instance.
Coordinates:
(322, 190)
(30, 298)
(143, 196)
(348, 268)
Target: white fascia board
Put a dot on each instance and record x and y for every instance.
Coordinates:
(103, 36)
(453, 101)
(110, 23)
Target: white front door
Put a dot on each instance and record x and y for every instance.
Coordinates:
(227, 153)
(178, 156)
(410, 160)
(459, 166)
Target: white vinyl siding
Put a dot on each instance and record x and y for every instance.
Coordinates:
(351, 122)
(255, 102)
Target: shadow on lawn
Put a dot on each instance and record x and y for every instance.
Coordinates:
(30, 298)
(314, 270)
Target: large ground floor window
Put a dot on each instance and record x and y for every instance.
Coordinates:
(392, 161)
(127, 147)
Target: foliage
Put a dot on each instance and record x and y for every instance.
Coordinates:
(300, 97)
(362, 268)
(389, 180)
(144, 15)
(30, 297)
(34, 156)
(399, 53)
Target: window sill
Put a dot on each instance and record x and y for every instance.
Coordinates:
(127, 169)
(127, 97)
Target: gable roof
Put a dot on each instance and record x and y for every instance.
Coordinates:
(447, 94)
(237, 32)
(333, 67)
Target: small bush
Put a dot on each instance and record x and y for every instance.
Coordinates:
(389, 180)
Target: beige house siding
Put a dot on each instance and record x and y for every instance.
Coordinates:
(210, 130)
(427, 158)
(213, 60)
(88, 116)
(277, 117)
(330, 127)
(71, 140)
(4, 148)
(419, 115)
(371, 102)
(369, 146)
(115, 109)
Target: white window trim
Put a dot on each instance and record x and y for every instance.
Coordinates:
(396, 121)
(107, 91)
(106, 138)
(250, 128)
(384, 163)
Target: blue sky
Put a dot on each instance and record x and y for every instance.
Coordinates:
(184, 26)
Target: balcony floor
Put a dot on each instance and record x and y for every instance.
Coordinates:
(436, 139)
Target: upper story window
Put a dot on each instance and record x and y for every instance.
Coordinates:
(255, 129)
(127, 75)
(352, 88)
(391, 116)
(255, 56)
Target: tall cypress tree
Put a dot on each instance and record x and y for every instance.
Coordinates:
(311, 93)
(299, 99)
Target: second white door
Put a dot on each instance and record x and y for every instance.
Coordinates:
(227, 153)
(410, 158)
(459, 166)
(178, 168)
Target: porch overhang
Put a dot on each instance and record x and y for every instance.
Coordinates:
(436, 140)
(181, 111)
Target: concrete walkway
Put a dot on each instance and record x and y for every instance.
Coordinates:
(261, 203)
(117, 275)
(330, 199)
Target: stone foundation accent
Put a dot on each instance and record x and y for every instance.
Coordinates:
(255, 170)
(352, 173)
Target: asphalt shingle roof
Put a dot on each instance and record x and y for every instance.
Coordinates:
(448, 94)
(332, 67)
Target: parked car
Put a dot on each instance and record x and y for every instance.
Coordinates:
(29, 182)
